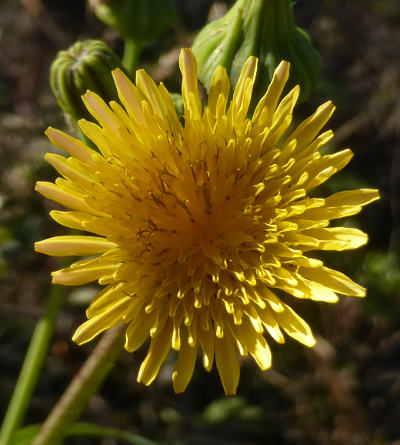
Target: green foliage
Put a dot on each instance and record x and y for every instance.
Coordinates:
(228, 408)
(381, 271)
(26, 435)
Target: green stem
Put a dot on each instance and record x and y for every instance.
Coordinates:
(132, 51)
(84, 385)
(31, 367)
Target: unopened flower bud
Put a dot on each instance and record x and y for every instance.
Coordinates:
(84, 66)
(262, 28)
(139, 20)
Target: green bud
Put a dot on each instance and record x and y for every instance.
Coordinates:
(178, 103)
(262, 28)
(138, 20)
(84, 66)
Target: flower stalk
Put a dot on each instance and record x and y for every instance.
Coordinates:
(31, 367)
(132, 51)
(82, 388)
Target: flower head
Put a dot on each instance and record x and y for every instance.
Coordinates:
(197, 224)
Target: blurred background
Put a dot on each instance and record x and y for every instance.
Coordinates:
(344, 391)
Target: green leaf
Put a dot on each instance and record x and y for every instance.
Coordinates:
(221, 410)
(25, 436)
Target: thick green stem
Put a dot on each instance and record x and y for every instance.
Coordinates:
(31, 367)
(132, 51)
(82, 388)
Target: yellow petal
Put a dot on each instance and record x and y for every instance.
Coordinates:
(259, 349)
(239, 338)
(206, 339)
(227, 363)
(342, 204)
(271, 97)
(135, 308)
(295, 326)
(129, 96)
(96, 134)
(244, 87)
(148, 88)
(324, 168)
(337, 238)
(307, 130)
(67, 199)
(74, 147)
(101, 112)
(256, 345)
(138, 331)
(75, 276)
(354, 198)
(158, 350)
(328, 213)
(73, 220)
(190, 91)
(219, 86)
(317, 292)
(73, 245)
(103, 299)
(171, 116)
(334, 280)
(107, 319)
(184, 366)
(69, 168)
(161, 318)
(271, 324)
(285, 108)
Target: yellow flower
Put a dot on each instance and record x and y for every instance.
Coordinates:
(198, 223)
